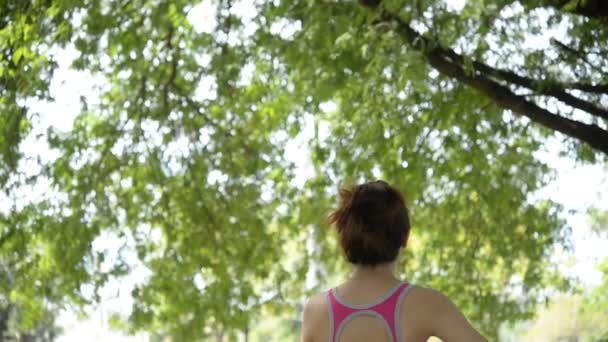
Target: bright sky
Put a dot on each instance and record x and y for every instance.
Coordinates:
(576, 187)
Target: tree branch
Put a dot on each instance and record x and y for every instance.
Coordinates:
(581, 55)
(448, 64)
(589, 8)
(590, 88)
(172, 71)
(552, 89)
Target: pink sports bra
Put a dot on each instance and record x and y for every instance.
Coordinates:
(386, 309)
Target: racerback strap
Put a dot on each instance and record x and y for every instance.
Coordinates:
(386, 309)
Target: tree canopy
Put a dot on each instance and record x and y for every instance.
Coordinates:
(186, 155)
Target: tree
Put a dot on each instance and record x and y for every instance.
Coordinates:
(565, 320)
(189, 153)
(502, 85)
(572, 317)
(25, 68)
(595, 306)
(16, 324)
(579, 316)
(596, 301)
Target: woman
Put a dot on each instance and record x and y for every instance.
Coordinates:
(374, 305)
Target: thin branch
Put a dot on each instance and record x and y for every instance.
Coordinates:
(447, 63)
(590, 88)
(173, 71)
(597, 9)
(581, 55)
(193, 105)
(432, 125)
(553, 89)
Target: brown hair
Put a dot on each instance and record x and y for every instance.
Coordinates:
(372, 221)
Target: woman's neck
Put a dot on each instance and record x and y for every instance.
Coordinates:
(378, 272)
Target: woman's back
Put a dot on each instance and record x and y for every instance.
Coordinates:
(419, 313)
(373, 227)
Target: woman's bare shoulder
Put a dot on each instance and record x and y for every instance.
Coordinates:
(314, 316)
(426, 294)
(316, 304)
(427, 302)
(437, 314)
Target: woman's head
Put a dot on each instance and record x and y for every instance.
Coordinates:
(372, 222)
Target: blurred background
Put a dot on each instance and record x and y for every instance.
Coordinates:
(166, 166)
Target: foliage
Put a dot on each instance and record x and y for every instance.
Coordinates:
(596, 306)
(599, 219)
(565, 320)
(16, 323)
(187, 156)
(580, 316)
(596, 303)
(26, 67)
(573, 317)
